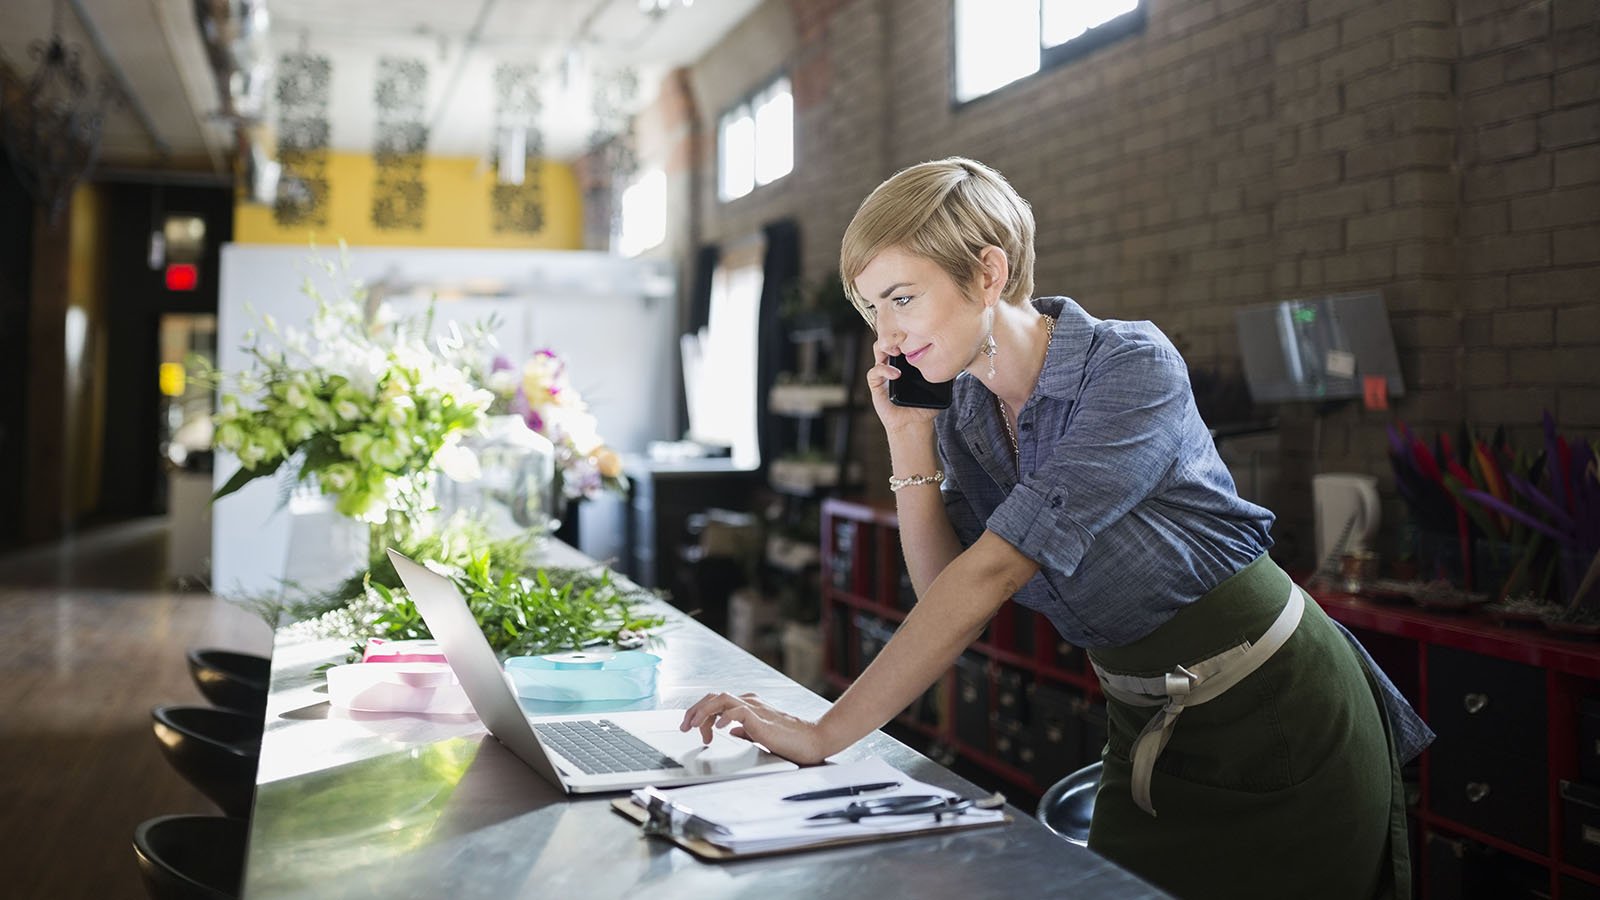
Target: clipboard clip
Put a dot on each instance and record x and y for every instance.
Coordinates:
(673, 820)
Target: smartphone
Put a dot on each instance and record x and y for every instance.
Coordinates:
(911, 389)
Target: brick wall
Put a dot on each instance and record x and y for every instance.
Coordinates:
(1237, 152)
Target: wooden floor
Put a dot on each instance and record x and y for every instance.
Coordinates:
(91, 638)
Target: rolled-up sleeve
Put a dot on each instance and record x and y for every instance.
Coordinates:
(1114, 450)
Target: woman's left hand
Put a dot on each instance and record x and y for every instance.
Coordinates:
(791, 737)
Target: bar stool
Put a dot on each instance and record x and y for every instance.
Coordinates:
(216, 750)
(231, 680)
(1069, 804)
(190, 857)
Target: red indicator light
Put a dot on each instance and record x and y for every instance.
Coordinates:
(182, 277)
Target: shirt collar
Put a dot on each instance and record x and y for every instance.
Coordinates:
(1064, 361)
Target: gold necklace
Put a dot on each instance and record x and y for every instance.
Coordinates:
(1016, 451)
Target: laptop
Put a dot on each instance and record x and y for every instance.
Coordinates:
(580, 754)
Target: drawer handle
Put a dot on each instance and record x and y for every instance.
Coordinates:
(1476, 791)
(1475, 703)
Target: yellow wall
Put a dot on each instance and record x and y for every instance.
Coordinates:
(457, 212)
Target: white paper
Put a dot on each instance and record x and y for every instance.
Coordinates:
(757, 818)
(1341, 364)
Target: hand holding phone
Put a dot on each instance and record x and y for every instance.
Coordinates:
(911, 389)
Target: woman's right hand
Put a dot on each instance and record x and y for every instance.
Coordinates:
(791, 737)
(894, 418)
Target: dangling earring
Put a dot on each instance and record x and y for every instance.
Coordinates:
(989, 347)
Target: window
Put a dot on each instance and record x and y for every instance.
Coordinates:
(719, 362)
(756, 141)
(644, 214)
(1000, 41)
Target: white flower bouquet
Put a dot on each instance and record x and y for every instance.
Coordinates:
(367, 408)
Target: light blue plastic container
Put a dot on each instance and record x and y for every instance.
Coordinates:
(629, 675)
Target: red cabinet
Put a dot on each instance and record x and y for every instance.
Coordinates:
(1508, 703)
(1511, 706)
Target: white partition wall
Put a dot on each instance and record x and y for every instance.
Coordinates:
(613, 320)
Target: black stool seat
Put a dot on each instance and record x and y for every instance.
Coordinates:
(190, 857)
(231, 680)
(1069, 804)
(216, 750)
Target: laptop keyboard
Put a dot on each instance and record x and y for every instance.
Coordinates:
(598, 746)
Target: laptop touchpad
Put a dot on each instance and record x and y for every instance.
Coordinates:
(723, 754)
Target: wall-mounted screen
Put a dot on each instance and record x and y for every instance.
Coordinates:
(1324, 348)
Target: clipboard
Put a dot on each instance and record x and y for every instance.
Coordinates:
(687, 823)
(710, 852)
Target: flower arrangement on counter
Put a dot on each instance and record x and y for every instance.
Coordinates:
(541, 392)
(358, 403)
(367, 409)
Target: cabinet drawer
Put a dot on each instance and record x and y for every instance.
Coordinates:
(1589, 739)
(1013, 688)
(1573, 889)
(1058, 731)
(1580, 825)
(1459, 869)
(1481, 702)
(972, 701)
(1496, 793)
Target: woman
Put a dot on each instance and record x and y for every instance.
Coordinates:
(1250, 753)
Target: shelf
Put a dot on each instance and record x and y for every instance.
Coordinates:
(858, 510)
(997, 766)
(1584, 875)
(865, 605)
(1440, 823)
(1009, 657)
(922, 728)
(1089, 684)
(1465, 631)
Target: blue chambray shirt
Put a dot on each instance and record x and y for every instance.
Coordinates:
(1122, 491)
(1122, 498)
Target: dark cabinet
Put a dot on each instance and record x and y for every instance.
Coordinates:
(661, 497)
(1503, 802)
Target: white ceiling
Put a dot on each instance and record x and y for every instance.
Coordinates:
(157, 44)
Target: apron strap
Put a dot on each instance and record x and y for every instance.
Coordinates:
(1191, 686)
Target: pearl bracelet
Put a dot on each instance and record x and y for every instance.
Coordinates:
(896, 484)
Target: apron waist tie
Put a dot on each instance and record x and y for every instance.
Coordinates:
(1184, 687)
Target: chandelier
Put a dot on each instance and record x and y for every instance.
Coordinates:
(50, 121)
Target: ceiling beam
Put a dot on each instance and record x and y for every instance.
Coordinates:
(115, 71)
(187, 54)
(471, 41)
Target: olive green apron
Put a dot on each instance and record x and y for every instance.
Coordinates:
(1285, 785)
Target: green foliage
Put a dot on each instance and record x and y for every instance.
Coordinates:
(523, 610)
(528, 614)
(453, 544)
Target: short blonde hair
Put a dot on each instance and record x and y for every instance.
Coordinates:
(946, 211)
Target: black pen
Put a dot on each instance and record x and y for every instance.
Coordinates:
(849, 790)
